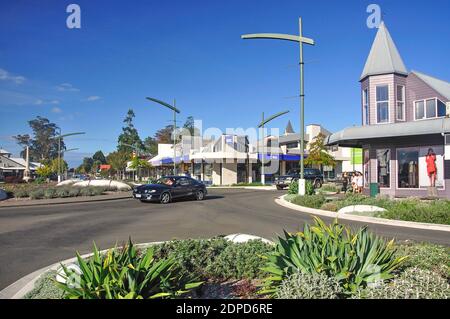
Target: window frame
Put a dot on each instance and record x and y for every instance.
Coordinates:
(403, 102)
(366, 111)
(383, 101)
(424, 101)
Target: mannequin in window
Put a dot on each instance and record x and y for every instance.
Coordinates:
(431, 166)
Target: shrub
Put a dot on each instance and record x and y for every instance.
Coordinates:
(91, 191)
(309, 188)
(354, 259)
(437, 211)
(37, 194)
(40, 180)
(216, 258)
(49, 193)
(293, 188)
(45, 288)
(21, 193)
(309, 286)
(62, 192)
(413, 283)
(125, 274)
(330, 206)
(240, 260)
(193, 256)
(427, 256)
(74, 191)
(330, 188)
(313, 201)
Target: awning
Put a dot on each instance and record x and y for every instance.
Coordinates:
(356, 135)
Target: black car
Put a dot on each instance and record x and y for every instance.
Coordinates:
(170, 187)
(311, 174)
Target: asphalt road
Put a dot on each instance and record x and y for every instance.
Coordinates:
(34, 237)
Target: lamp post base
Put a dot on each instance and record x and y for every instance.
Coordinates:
(301, 187)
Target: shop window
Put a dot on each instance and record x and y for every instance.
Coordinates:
(383, 167)
(408, 168)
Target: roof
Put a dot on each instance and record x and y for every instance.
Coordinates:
(289, 129)
(440, 86)
(353, 135)
(3, 151)
(384, 57)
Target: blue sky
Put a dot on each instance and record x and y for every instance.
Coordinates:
(86, 79)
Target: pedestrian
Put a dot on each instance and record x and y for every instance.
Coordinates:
(344, 182)
(359, 182)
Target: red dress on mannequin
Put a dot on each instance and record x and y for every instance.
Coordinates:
(431, 164)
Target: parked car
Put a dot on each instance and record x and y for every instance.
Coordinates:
(167, 188)
(311, 174)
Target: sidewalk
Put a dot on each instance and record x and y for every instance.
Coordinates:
(68, 200)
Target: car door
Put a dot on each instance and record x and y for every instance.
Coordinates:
(182, 187)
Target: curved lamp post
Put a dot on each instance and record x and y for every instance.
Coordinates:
(69, 150)
(300, 40)
(59, 137)
(263, 155)
(175, 111)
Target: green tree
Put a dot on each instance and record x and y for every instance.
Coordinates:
(43, 145)
(129, 135)
(164, 135)
(44, 171)
(86, 166)
(54, 165)
(100, 157)
(150, 146)
(118, 161)
(317, 153)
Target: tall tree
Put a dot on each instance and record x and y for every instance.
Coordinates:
(100, 157)
(151, 146)
(164, 135)
(129, 135)
(86, 166)
(190, 125)
(43, 145)
(317, 153)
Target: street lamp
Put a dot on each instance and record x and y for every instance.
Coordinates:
(59, 137)
(69, 150)
(261, 125)
(175, 111)
(300, 39)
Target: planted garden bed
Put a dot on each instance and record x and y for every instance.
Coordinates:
(412, 209)
(323, 261)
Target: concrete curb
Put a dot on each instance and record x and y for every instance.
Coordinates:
(364, 219)
(62, 201)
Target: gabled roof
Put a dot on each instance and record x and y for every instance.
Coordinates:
(289, 129)
(442, 87)
(3, 151)
(384, 57)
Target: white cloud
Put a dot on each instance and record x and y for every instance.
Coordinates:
(92, 98)
(56, 110)
(67, 87)
(6, 76)
(46, 102)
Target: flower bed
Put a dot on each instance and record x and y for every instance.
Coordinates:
(411, 209)
(323, 261)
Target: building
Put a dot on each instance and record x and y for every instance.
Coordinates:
(13, 168)
(403, 114)
(232, 159)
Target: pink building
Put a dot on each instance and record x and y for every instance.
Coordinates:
(403, 114)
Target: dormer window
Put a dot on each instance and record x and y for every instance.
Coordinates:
(428, 109)
(382, 104)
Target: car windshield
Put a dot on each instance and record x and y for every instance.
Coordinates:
(165, 181)
(292, 172)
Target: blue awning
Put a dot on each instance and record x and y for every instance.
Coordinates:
(281, 157)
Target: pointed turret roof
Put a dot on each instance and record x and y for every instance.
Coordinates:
(383, 57)
(289, 129)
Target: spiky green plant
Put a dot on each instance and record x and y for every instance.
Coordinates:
(354, 259)
(125, 274)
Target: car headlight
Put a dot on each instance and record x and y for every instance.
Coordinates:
(147, 191)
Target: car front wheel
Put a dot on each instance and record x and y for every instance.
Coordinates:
(200, 195)
(317, 184)
(165, 198)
